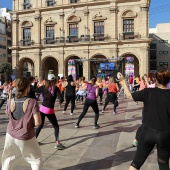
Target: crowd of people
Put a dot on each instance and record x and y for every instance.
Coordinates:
(25, 114)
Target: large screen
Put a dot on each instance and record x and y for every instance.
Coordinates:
(107, 66)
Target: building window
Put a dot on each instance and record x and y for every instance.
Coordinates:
(2, 38)
(26, 4)
(153, 65)
(163, 64)
(73, 33)
(26, 36)
(99, 31)
(73, 1)
(154, 42)
(99, 27)
(3, 46)
(163, 52)
(73, 29)
(50, 35)
(128, 25)
(50, 2)
(163, 41)
(2, 55)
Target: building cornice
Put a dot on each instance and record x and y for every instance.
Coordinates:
(113, 42)
(57, 7)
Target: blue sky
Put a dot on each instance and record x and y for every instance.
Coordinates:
(159, 11)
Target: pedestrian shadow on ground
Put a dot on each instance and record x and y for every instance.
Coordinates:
(118, 158)
(119, 129)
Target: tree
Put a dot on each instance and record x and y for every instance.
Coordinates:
(6, 68)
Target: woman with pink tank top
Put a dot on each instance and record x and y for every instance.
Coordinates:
(92, 94)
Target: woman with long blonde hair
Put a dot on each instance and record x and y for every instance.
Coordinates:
(112, 94)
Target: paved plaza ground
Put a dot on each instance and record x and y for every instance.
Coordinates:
(107, 148)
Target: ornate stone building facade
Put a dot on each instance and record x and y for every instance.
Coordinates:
(49, 34)
(5, 35)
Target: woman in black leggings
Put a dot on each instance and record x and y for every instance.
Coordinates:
(155, 130)
(70, 94)
(50, 93)
(92, 94)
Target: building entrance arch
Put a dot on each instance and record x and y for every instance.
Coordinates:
(49, 63)
(74, 66)
(25, 66)
(129, 65)
(95, 66)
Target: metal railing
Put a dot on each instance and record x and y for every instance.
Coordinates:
(76, 39)
(50, 2)
(26, 42)
(129, 35)
(49, 40)
(26, 5)
(73, 1)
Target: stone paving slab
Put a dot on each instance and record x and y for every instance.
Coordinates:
(107, 148)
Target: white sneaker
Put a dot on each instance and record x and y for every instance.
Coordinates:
(63, 112)
(102, 111)
(71, 114)
(114, 112)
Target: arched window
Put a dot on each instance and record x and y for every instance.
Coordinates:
(26, 33)
(128, 17)
(73, 28)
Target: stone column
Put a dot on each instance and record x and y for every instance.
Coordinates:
(61, 22)
(144, 21)
(114, 25)
(86, 64)
(15, 34)
(37, 28)
(86, 69)
(15, 63)
(37, 64)
(61, 63)
(15, 59)
(86, 14)
(144, 64)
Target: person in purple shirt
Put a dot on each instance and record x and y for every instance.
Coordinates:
(168, 85)
(92, 94)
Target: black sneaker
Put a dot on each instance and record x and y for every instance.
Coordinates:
(96, 127)
(60, 146)
(76, 125)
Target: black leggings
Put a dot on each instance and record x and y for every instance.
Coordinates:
(94, 105)
(2, 101)
(111, 97)
(68, 99)
(147, 140)
(100, 94)
(138, 132)
(53, 120)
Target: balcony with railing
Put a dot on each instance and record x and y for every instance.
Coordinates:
(76, 39)
(73, 1)
(129, 35)
(50, 2)
(98, 37)
(26, 42)
(49, 40)
(72, 39)
(26, 5)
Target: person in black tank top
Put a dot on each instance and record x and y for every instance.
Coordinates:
(70, 94)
